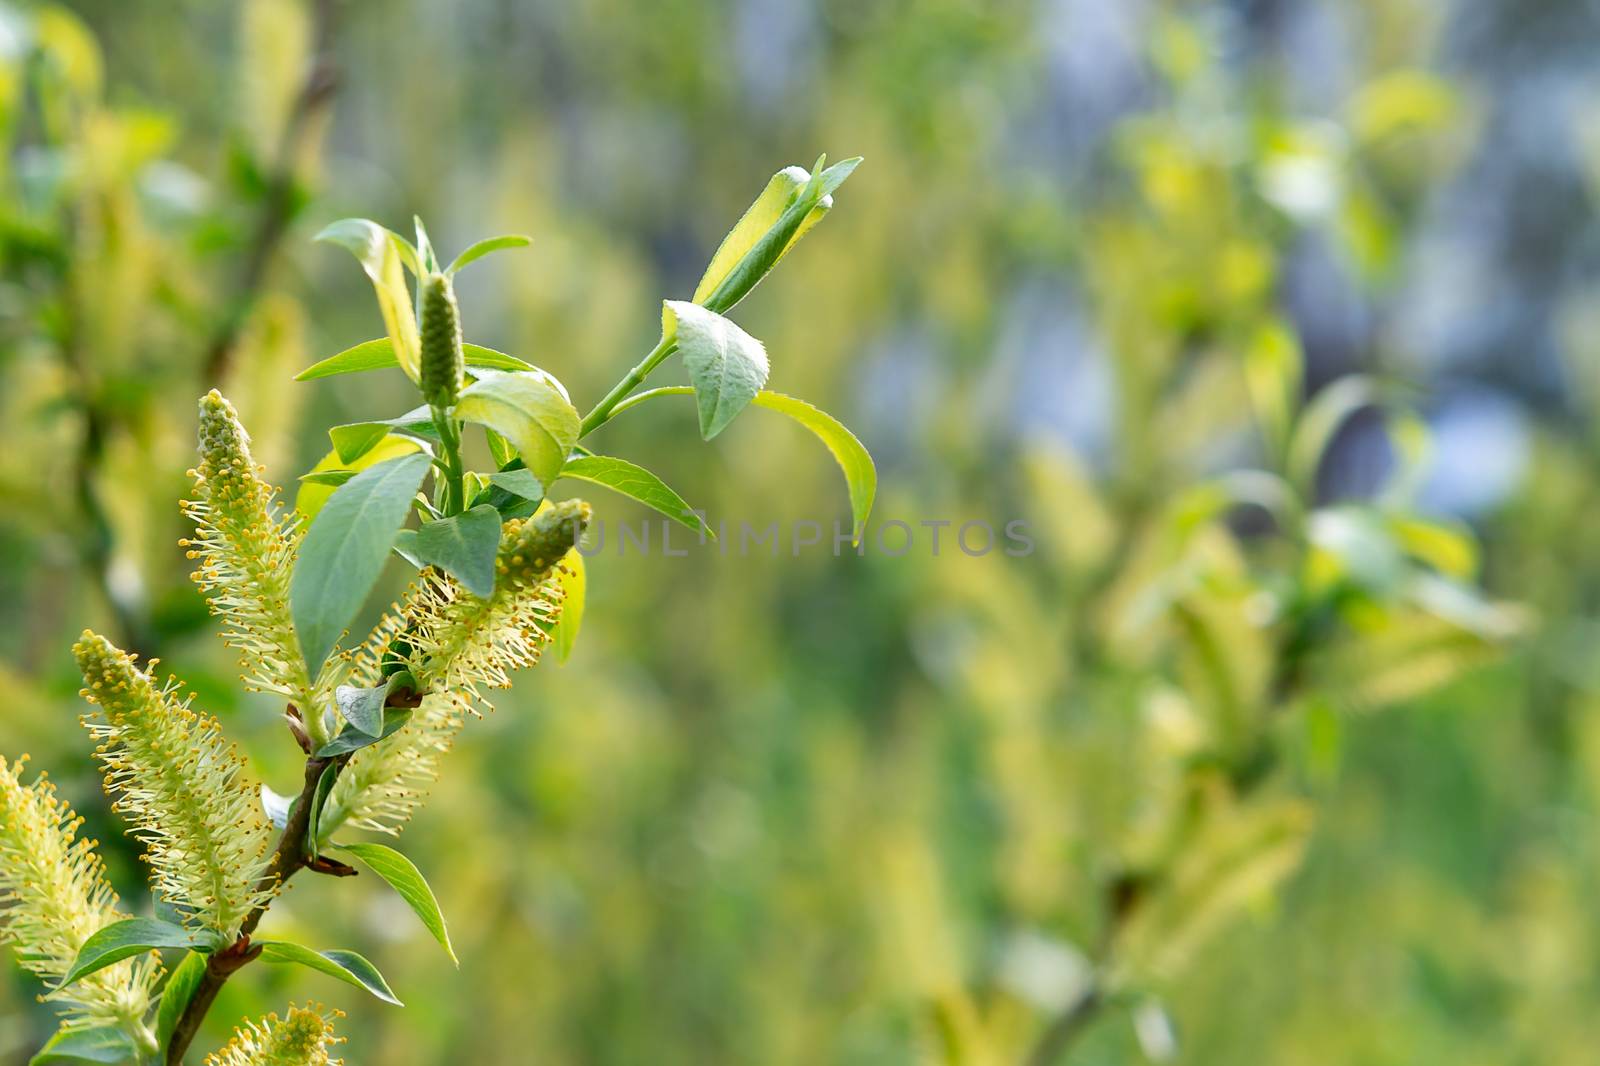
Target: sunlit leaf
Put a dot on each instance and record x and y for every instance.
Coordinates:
(347, 966)
(376, 251)
(404, 877)
(484, 247)
(529, 409)
(637, 483)
(727, 365)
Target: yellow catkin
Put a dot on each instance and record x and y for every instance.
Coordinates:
(55, 895)
(182, 787)
(245, 551)
(301, 1038)
(457, 645)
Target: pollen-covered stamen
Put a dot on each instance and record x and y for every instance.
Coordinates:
(302, 1038)
(245, 548)
(53, 896)
(455, 644)
(181, 785)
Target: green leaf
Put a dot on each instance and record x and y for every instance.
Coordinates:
(347, 966)
(344, 551)
(375, 248)
(574, 581)
(353, 441)
(804, 210)
(501, 449)
(404, 877)
(334, 478)
(726, 364)
(637, 483)
(463, 546)
(101, 1044)
(860, 475)
(319, 798)
(519, 482)
(529, 409)
(362, 707)
(175, 997)
(427, 261)
(313, 495)
(1321, 420)
(352, 739)
(484, 247)
(760, 217)
(133, 936)
(379, 355)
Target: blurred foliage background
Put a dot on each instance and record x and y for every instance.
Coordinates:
(1272, 319)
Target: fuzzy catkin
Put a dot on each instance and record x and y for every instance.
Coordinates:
(458, 644)
(302, 1038)
(55, 895)
(182, 787)
(246, 550)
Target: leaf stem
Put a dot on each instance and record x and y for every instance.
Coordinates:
(607, 407)
(452, 495)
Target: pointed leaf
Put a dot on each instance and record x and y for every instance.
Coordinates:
(464, 546)
(379, 355)
(727, 365)
(637, 483)
(176, 995)
(347, 966)
(760, 217)
(529, 409)
(100, 1044)
(484, 247)
(345, 548)
(404, 877)
(519, 482)
(376, 250)
(860, 475)
(330, 774)
(352, 739)
(133, 936)
(315, 492)
(362, 707)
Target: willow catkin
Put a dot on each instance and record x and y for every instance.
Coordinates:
(443, 364)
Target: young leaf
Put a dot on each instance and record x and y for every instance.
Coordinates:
(330, 774)
(519, 482)
(347, 966)
(574, 586)
(376, 250)
(404, 877)
(860, 475)
(345, 548)
(99, 1044)
(133, 936)
(175, 997)
(276, 806)
(463, 546)
(484, 247)
(314, 492)
(362, 707)
(637, 483)
(355, 439)
(379, 355)
(531, 410)
(803, 212)
(761, 216)
(351, 739)
(726, 364)
(501, 449)
(332, 478)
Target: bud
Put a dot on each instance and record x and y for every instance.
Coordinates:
(179, 783)
(442, 361)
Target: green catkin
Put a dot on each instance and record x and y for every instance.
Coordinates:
(443, 364)
(181, 786)
(302, 1038)
(246, 550)
(459, 644)
(55, 895)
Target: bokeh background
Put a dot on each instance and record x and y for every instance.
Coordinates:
(1304, 789)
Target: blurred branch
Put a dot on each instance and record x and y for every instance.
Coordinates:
(1070, 1024)
(278, 204)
